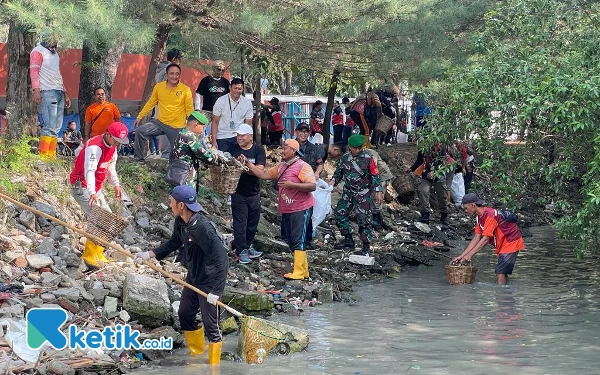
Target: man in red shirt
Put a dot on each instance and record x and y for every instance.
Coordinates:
(492, 228)
(96, 162)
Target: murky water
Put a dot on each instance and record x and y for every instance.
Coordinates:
(547, 321)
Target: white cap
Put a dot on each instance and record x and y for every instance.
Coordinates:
(243, 129)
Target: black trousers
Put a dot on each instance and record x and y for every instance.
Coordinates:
(338, 132)
(275, 138)
(189, 305)
(246, 214)
(295, 226)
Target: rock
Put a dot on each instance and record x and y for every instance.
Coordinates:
(57, 231)
(71, 294)
(247, 300)
(124, 315)
(71, 259)
(15, 311)
(99, 295)
(50, 279)
(7, 244)
(47, 247)
(229, 325)
(59, 368)
(44, 207)
(38, 261)
(23, 240)
(269, 245)
(110, 307)
(27, 219)
(48, 297)
(296, 338)
(325, 293)
(146, 299)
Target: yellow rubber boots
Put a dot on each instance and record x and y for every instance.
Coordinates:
(44, 145)
(300, 266)
(214, 352)
(93, 253)
(195, 341)
(52, 148)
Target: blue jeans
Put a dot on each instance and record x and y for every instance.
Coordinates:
(52, 110)
(153, 145)
(226, 144)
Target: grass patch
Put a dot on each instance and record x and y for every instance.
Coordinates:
(135, 174)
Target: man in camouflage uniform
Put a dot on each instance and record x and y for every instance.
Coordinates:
(361, 176)
(385, 175)
(189, 149)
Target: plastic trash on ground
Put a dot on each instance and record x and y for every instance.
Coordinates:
(322, 206)
(15, 336)
(362, 259)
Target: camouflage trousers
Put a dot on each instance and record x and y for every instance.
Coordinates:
(360, 206)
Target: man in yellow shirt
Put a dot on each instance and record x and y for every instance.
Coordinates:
(175, 103)
(100, 115)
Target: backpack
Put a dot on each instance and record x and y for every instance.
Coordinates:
(507, 215)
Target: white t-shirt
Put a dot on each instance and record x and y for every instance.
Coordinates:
(228, 111)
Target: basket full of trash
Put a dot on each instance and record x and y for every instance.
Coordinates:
(462, 273)
(225, 173)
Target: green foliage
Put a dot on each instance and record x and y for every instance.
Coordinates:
(15, 157)
(134, 175)
(534, 80)
(72, 22)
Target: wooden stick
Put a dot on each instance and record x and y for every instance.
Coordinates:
(119, 249)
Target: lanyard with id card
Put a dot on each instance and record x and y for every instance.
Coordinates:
(232, 125)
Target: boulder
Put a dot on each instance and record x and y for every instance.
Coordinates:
(47, 247)
(229, 325)
(44, 207)
(72, 294)
(38, 261)
(325, 293)
(57, 231)
(246, 301)
(146, 299)
(27, 219)
(270, 245)
(142, 218)
(110, 307)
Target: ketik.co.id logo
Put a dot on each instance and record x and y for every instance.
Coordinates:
(44, 325)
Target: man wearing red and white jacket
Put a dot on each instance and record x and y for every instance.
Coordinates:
(49, 93)
(95, 162)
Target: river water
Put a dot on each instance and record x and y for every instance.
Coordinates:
(546, 321)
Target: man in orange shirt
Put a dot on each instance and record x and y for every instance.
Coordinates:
(491, 227)
(100, 115)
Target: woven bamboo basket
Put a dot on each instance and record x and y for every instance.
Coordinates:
(105, 224)
(384, 124)
(224, 179)
(460, 274)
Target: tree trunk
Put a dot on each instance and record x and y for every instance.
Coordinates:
(312, 86)
(98, 69)
(257, 119)
(329, 109)
(158, 51)
(243, 66)
(285, 83)
(21, 112)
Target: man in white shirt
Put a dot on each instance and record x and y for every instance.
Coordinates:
(229, 112)
(49, 93)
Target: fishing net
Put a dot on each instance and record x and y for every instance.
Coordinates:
(260, 337)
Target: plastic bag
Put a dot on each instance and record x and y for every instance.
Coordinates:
(457, 190)
(322, 206)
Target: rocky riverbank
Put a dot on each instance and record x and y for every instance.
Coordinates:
(40, 261)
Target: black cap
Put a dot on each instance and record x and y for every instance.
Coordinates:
(472, 198)
(174, 54)
(302, 125)
(274, 100)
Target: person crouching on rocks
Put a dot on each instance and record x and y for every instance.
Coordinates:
(492, 228)
(94, 163)
(207, 264)
(359, 172)
(295, 181)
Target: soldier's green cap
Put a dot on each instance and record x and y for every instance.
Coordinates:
(198, 116)
(356, 140)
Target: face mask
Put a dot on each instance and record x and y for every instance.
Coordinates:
(47, 46)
